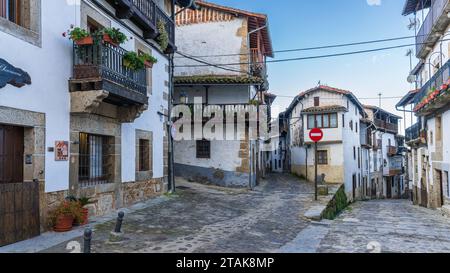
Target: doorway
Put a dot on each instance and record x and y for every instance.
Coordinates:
(19, 200)
(389, 187)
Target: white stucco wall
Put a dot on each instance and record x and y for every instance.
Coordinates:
(212, 38)
(150, 120)
(216, 94)
(224, 155)
(50, 67)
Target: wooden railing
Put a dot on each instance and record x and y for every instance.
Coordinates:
(413, 132)
(386, 125)
(106, 61)
(392, 150)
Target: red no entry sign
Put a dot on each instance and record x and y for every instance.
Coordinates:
(316, 135)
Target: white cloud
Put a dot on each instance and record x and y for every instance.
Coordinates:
(374, 2)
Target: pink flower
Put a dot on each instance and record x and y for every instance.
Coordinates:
(64, 34)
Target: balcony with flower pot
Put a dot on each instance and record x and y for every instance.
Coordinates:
(106, 74)
(154, 20)
(435, 94)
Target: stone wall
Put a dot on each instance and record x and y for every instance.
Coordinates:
(136, 192)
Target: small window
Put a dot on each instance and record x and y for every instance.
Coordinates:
(11, 10)
(351, 125)
(357, 127)
(343, 121)
(144, 155)
(311, 122)
(203, 149)
(354, 152)
(333, 121)
(95, 155)
(316, 101)
(322, 157)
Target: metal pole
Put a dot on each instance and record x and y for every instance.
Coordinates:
(119, 222)
(87, 240)
(315, 171)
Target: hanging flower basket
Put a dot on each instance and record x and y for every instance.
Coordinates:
(109, 40)
(85, 41)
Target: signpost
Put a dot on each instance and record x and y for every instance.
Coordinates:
(315, 135)
(12, 75)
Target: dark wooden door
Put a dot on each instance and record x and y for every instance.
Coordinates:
(19, 201)
(389, 187)
(441, 190)
(354, 187)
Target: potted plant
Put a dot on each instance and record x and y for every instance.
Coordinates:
(83, 202)
(132, 61)
(79, 36)
(113, 36)
(163, 37)
(64, 215)
(148, 59)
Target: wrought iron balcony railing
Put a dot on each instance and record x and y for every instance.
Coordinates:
(103, 63)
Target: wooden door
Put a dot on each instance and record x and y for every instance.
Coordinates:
(354, 187)
(19, 201)
(389, 187)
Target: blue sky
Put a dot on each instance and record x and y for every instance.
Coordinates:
(308, 23)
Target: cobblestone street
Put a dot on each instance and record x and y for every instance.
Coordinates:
(210, 219)
(202, 219)
(388, 226)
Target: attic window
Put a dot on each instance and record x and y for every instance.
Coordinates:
(316, 101)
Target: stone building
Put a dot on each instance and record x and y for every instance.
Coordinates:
(228, 36)
(429, 138)
(81, 124)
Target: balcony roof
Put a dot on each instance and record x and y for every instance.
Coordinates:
(412, 6)
(347, 93)
(217, 80)
(408, 98)
(376, 108)
(326, 109)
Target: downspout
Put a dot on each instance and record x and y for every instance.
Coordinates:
(171, 174)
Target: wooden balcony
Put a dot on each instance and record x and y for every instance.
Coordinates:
(258, 66)
(146, 14)
(391, 127)
(392, 150)
(99, 76)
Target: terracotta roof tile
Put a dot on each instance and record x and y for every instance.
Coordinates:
(218, 80)
(321, 109)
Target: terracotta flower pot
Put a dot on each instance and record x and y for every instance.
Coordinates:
(85, 216)
(107, 39)
(148, 64)
(64, 223)
(85, 41)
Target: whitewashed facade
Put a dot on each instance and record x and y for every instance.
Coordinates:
(49, 113)
(244, 37)
(429, 138)
(340, 150)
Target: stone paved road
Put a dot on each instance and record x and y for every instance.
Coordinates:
(209, 219)
(270, 219)
(387, 226)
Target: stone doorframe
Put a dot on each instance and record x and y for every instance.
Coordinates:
(106, 196)
(34, 148)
